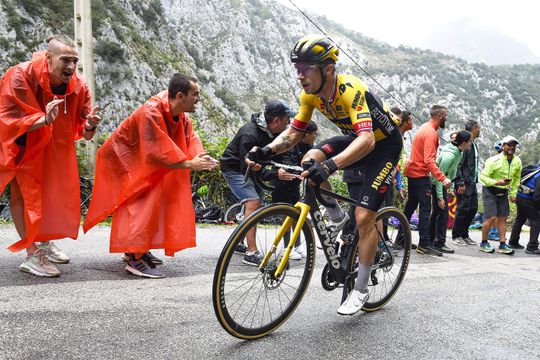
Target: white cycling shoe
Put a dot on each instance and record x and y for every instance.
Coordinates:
(353, 303)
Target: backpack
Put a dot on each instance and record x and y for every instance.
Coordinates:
(210, 214)
(528, 179)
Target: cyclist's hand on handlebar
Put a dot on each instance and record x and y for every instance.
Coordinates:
(258, 155)
(319, 172)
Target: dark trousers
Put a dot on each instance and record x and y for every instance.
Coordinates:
(438, 221)
(420, 195)
(467, 205)
(526, 210)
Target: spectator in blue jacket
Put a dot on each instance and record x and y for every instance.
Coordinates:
(528, 208)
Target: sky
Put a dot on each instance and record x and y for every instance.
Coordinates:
(414, 20)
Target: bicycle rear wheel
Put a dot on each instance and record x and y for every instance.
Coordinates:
(391, 260)
(250, 303)
(235, 213)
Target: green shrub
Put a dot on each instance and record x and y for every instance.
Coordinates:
(213, 180)
(110, 51)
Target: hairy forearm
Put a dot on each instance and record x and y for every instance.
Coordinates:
(186, 164)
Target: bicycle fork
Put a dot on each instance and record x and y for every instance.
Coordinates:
(304, 211)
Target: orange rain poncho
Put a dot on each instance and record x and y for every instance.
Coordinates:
(150, 202)
(46, 167)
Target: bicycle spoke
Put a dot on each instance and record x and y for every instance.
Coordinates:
(390, 264)
(243, 299)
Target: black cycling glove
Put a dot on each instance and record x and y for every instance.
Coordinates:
(319, 172)
(260, 154)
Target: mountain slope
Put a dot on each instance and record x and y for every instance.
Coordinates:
(239, 51)
(467, 40)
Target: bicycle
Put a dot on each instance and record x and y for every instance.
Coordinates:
(234, 213)
(251, 302)
(85, 185)
(197, 197)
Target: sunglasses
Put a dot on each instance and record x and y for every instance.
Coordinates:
(305, 68)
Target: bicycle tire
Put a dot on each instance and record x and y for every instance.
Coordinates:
(234, 213)
(199, 205)
(235, 311)
(85, 186)
(382, 292)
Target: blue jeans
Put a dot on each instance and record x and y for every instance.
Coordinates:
(244, 192)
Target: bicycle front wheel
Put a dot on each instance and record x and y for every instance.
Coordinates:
(250, 302)
(391, 260)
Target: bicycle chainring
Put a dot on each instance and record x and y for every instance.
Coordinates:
(327, 279)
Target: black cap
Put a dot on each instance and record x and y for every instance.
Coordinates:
(278, 107)
(461, 137)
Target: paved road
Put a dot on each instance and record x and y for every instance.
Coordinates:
(469, 305)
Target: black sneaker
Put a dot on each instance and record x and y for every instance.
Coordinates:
(253, 258)
(444, 249)
(428, 250)
(533, 251)
(240, 249)
(516, 246)
(153, 259)
(149, 256)
(143, 268)
(469, 241)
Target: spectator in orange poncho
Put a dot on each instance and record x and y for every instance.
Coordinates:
(44, 108)
(142, 179)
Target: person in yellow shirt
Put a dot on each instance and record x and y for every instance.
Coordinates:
(500, 180)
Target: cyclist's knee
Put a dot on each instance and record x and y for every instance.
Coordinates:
(314, 154)
(365, 219)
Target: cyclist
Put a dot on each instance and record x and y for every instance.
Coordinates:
(371, 142)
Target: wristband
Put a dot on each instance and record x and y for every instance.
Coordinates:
(329, 166)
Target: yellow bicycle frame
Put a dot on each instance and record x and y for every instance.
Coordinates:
(304, 211)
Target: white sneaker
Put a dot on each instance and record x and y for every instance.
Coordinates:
(301, 250)
(353, 303)
(39, 265)
(338, 226)
(53, 253)
(294, 255)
